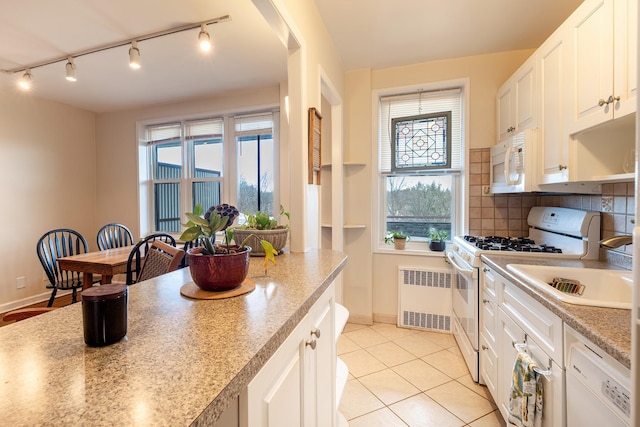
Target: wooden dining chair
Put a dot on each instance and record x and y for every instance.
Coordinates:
(160, 259)
(56, 244)
(139, 251)
(189, 245)
(114, 235)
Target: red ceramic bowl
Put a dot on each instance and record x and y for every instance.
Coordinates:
(220, 272)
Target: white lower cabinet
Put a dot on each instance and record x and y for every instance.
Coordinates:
(512, 318)
(296, 387)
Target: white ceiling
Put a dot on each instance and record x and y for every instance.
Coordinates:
(367, 33)
(246, 52)
(385, 33)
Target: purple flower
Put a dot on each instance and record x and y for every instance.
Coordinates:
(223, 210)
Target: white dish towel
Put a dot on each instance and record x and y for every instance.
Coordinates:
(525, 400)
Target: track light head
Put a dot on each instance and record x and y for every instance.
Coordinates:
(204, 39)
(71, 70)
(134, 56)
(25, 81)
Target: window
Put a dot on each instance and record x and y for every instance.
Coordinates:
(420, 161)
(187, 167)
(256, 175)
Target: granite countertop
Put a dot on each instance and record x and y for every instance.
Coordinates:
(182, 362)
(609, 328)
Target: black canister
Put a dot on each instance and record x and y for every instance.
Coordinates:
(104, 314)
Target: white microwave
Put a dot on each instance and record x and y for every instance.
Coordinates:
(514, 163)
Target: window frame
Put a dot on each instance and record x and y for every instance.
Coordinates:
(459, 208)
(229, 179)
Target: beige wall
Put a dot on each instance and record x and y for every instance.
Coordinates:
(370, 278)
(48, 180)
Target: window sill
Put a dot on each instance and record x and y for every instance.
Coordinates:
(415, 250)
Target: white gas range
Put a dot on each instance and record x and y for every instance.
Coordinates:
(553, 232)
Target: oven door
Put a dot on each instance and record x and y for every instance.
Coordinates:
(465, 311)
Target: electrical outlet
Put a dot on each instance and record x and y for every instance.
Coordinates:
(486, 190)
(606, 203)
(20, 283)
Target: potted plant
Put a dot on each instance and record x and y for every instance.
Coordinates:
(438, 239)
(262, 225)
(398, 238)
(218, 267)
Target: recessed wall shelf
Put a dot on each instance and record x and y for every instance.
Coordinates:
(347, 164)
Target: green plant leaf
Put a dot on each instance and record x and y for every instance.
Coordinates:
(196, 219)
(190, 234)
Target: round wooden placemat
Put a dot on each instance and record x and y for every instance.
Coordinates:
(191, 290)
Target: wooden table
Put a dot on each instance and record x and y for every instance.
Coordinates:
(106, 263)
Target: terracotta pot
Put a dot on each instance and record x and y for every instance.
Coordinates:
(399, 243)
(220, 272)
(277, 238)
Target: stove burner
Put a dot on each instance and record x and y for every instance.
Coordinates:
(513, 244)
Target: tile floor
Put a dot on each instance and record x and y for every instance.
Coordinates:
(405, 377)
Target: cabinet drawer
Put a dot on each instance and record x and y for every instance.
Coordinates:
(489, 319)
(491, 282)
(535, 320)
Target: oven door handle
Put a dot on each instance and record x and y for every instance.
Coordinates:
(461, 269)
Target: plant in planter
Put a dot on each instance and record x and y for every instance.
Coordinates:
(218, 267)
(398, 238)
(266, 228)
(438, 239)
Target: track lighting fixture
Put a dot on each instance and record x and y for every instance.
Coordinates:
(204, 39)
(134, 56)
(71, 70)
(25, 81)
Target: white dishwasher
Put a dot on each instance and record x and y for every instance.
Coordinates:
(598, 386)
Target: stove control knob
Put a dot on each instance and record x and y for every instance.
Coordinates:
(465, 257)
(455, 248)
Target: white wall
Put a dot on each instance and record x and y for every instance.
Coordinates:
(47, 180)
(370, 288)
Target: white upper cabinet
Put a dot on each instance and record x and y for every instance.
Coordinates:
(554, 155)
(516, 101)
(600, 76)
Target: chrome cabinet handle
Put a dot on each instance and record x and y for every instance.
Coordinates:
(486, 270)
(311, 344)
(485, 348)
(562, 167)
(602, 102)
(614, 98)
(316, 332)
(485, 300)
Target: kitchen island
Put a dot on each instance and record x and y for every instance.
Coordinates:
(182, 362)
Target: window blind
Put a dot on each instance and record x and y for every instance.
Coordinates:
(417, 103)
(204, 129)
(254, 124)
(164, 133)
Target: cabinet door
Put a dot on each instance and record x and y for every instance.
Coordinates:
(510, 334)
(319, 370)
(590, 65)
(489, 366)
(274, 397)
(526, 100)
(554, 139)
(625, 55)
(505, 114)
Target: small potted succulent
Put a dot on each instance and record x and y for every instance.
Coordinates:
(218, 267)
(438, 239)
(262, 225)
(398, 238)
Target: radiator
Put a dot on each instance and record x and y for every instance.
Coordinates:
(424, 298)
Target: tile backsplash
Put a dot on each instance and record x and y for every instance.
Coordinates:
(506, 214)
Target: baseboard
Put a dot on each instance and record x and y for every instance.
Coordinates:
(359, 319)
(34, 299)
(391, 319)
